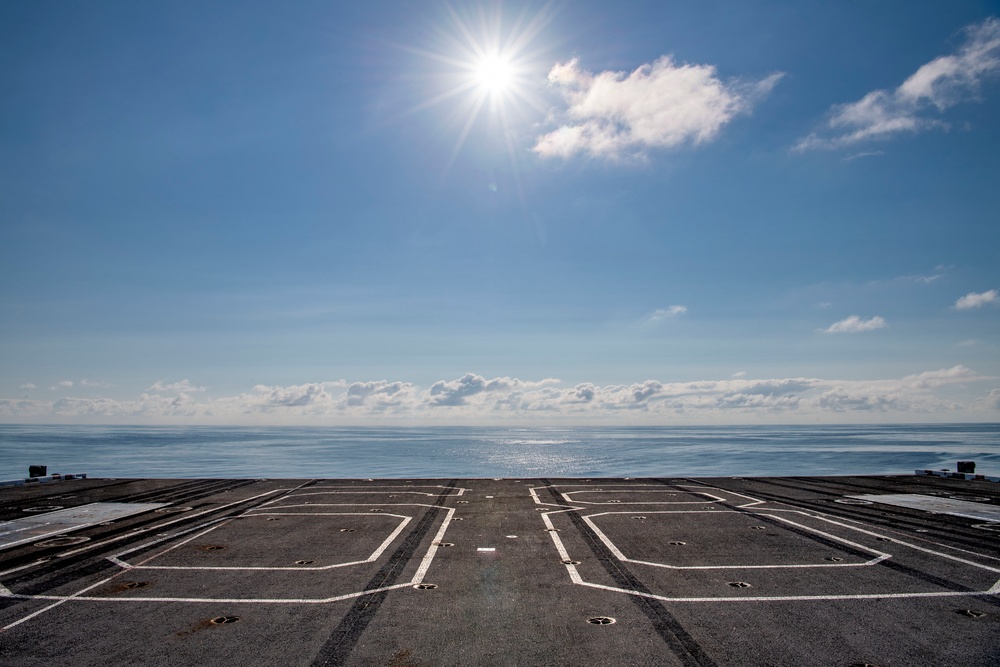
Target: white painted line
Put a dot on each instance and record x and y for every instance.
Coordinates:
(486, 549)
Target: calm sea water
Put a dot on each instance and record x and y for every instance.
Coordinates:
(120, 451)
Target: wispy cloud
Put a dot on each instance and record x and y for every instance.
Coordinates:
(662, 104)
(669, 311)
(95, 384)
(935, 87)
(856, 324)
(62, 384)
(864, 154)
(184, 386)
(28, 385)
(474, 398)
(977, 300)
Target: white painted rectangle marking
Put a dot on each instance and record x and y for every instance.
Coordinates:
(38, 526)
(937, 505)
(486, 549)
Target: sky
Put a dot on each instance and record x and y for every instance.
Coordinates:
(630, 213)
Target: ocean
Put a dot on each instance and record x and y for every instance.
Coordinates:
(423, 452)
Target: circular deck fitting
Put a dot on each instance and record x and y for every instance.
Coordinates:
(61, 542)
(571, 562)
(833, 559)
(601, 620)
(43, 508)
(171, 510)
(304, 562)
(425, 587)
(739, 584)
(971, 613)
(224, 620)
(347, 530)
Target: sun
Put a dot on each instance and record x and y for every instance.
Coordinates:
(494, 75)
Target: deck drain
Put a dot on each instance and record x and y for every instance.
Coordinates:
(304, 562)
(739, 584)
(224, 620)
(135, 584)
(601, 620)
(971, 613)
(171, 510)
(833, 559)
(676, 543)
(571, 562)
(61, 541)
(212, 547)
(347, 530)
(445, 544)
(425, 587)
(43, 508)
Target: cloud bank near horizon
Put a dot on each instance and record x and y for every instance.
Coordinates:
(474, 399)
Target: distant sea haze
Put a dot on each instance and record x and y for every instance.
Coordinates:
(292, 452)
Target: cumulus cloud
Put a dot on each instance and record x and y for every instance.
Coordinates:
(62, 384)
(669, 311)
(974, 300)
(659, 105)
(28, 385)
(476, 399)
(855, 324)
(935, 87)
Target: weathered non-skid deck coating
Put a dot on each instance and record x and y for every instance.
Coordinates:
(677, 571)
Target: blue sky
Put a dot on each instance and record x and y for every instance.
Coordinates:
(421, 212)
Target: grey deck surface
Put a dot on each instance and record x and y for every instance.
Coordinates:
(730, 571)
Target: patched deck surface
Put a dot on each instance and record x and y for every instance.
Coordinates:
(406, 573)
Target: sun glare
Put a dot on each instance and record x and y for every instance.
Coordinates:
(493, 74)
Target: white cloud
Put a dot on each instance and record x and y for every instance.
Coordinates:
(974, 300)
(855, 324)
(739, 374)
(669, 311)
(184, 386)
(28, 385)
(935, 87)
(659, 105)
(475, 399)
(62, 384)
